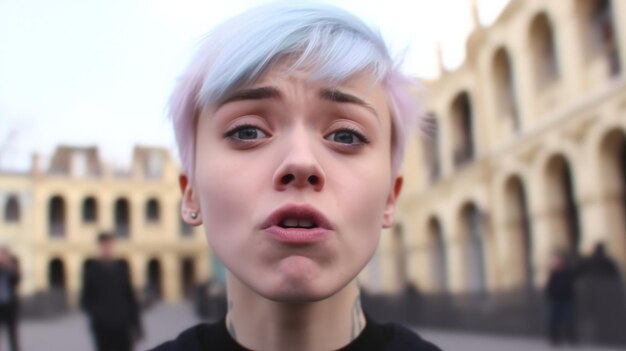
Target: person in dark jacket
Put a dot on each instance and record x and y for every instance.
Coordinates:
(560, 293)
(291, 123)
(602, 307)
(9, 280)
(109, 300)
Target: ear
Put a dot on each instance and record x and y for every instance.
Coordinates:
(189, 203)
(391, 202)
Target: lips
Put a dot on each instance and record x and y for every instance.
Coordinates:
(297, 224)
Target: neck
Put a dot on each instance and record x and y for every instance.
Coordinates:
(261, 324)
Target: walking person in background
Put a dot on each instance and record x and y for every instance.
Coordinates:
(602, 308)
(9, 279)
(109, 300)
(560, 293)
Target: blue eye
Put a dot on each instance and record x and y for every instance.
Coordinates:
(246, 133)
(348, 137)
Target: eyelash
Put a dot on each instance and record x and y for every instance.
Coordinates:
(362, 138)
(231, 133)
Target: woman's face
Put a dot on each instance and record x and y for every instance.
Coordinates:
(293, 182)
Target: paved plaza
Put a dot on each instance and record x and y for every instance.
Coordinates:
(163, 322)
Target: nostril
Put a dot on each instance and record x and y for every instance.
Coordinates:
(286, 179)
(313, 180)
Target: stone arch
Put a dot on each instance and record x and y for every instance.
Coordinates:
(438, 255)
(430, 147)
(187, 276)
(612, 157)
(122, 217)
(504, 86)
(518, 230)
(90, 210)
(12, 210)
(154, 280)
(153, 210)
(599, 32)
(543, 50)
(473, 239)
(462, 117)
(57, 216)
(56, 275)
(400, 256)
(562, 207)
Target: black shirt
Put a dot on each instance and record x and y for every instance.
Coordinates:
(374, 337)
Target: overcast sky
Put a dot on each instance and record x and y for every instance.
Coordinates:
(98, 72)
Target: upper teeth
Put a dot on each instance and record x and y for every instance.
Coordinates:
(295, 222)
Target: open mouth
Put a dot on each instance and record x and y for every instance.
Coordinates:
(304, 223)
(297, 224)
(298, 217)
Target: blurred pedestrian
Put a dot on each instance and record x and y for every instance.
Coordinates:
(109, 300)
(560, 294)
(9, 279)
(601, 299)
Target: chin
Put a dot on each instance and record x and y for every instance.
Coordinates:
(292, 288)
(297, 294)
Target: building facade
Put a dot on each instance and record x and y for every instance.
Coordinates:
(52, 216)
(528, 155)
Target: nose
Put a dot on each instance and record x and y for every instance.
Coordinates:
(300, 167)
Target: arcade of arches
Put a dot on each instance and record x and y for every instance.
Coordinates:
(533, 214)
(529, 152)
(151, 281)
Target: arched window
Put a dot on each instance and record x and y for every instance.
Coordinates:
(518, 227)
(12, 210)
(154, 280)
(504, 85)
(564, 214)
(187, 276)
(612, 156)
(601, 35)
(438, 261)
(543, 50)
(90, 210)
(56, 274)
(473, 225)
(56, 217)
(153, 211)
(430, 144)
(463, 125)
(122, 218)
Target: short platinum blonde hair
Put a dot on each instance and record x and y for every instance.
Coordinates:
(331, 43)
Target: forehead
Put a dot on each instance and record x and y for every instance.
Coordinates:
(287, 82)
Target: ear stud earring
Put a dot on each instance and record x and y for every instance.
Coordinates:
(193, 215)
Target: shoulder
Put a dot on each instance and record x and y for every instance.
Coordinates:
(188, 340)
(406, 339)
(403, 338)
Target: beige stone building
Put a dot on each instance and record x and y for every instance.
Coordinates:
(528, 156)
(51, 217)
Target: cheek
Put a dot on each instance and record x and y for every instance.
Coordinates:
(364, 197)
(225, 197)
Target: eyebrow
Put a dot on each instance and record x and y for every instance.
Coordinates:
(338, 96)
(259, 93)
(332, 95)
